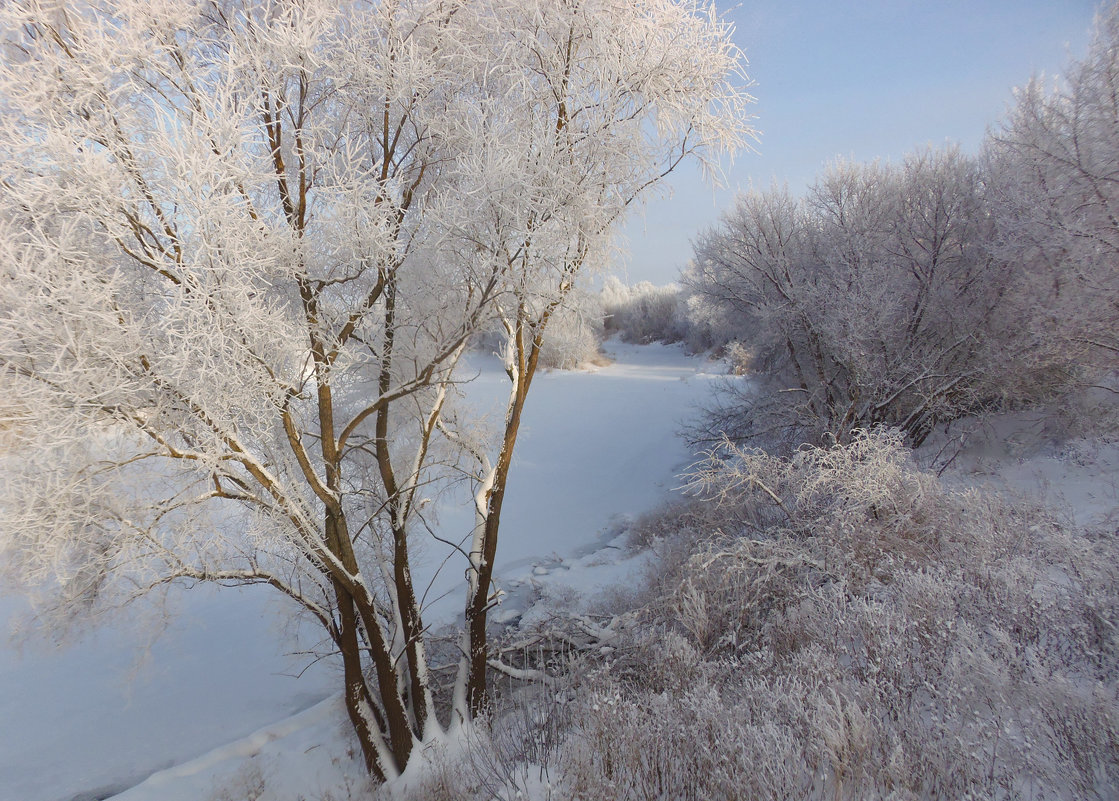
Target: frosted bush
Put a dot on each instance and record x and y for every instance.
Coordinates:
(739, 358)
(573, 335)
(849, 628)
(692, 746)
(881, 296)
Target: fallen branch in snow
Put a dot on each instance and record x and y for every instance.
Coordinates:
(520, 674)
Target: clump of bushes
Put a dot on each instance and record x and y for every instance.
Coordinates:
(574, 333)
(878, 299)
(838, 624)
(643, 313)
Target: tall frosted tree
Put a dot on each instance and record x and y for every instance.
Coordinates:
(1054, 166)
(244, 246)
(600, 102)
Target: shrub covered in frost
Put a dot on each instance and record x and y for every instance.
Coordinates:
(840, 625)
(833, 625)
(574, 333)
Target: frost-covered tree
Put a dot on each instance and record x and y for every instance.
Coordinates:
(1054, 165)
(874, 299)
(917, 293)
(244, 245)
(592, 105)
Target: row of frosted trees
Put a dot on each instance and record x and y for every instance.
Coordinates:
(916, 293)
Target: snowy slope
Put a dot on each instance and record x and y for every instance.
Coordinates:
(1033, 456)
(596, 446)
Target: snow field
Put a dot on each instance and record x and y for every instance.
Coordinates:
(597, 446)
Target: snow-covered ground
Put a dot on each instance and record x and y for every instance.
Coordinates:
(215, 696)
(215, 713)
(1032, 455)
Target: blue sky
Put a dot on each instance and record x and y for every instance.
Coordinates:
(862, 80)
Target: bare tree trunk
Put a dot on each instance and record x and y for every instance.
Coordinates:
(478, 605)
(359, 706)
(352, 608)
